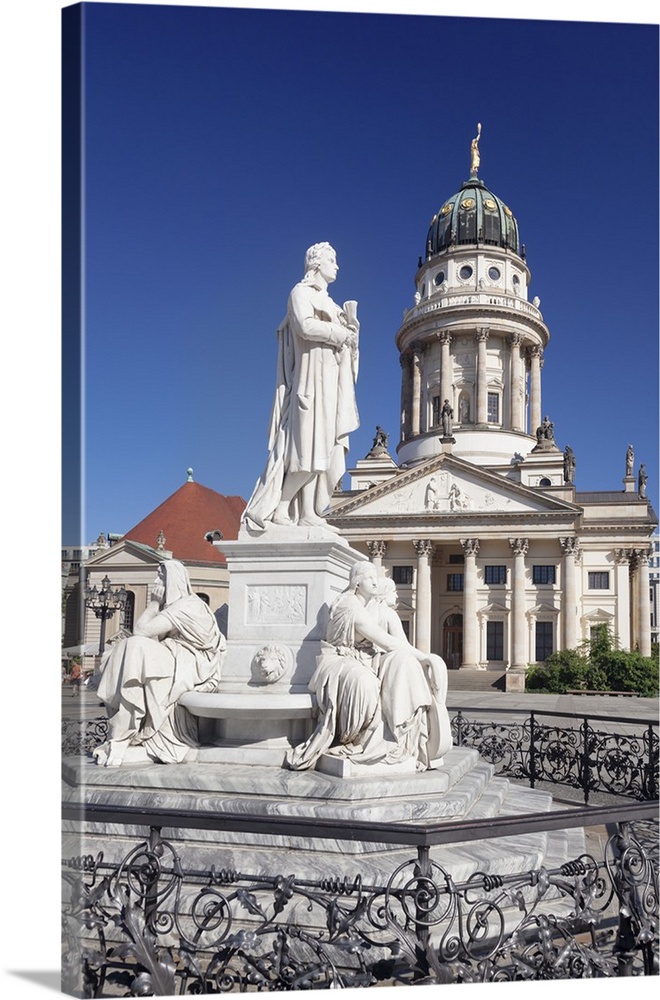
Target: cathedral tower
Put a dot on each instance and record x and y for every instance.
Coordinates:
(472, 338)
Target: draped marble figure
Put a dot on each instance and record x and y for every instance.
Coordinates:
(314, 409)
(379, 699)
(176, 647)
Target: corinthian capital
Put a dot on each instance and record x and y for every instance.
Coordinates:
(470, 546)
(377, 549)
(482, 334)
(535, 352)
(423, 546)
(519, 546)
(445, 337)
(570, 545)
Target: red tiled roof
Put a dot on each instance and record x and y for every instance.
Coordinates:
(186, 517)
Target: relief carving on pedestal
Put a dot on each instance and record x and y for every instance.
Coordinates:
(271, 604)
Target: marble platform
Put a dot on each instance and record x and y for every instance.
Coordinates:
(463, 788)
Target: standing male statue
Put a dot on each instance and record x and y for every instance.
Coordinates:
(314, 409)
(630, 461)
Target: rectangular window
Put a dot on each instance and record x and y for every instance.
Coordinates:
(544, 640)
(454, 581)
(494, 640)
(456, 559)
(495, 574)
(543, 574)
(435, 411)
(493, 408)
(599, 581)
(402, 574)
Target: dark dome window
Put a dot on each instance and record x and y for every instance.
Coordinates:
(465, 272)
(545, 482)
(516, 279)
(439, 278)
(494, 273)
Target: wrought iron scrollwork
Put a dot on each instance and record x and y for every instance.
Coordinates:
(146, 925)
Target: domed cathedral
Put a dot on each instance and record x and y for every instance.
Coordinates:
(498, 559)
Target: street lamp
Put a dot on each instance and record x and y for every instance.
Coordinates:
(104, 603)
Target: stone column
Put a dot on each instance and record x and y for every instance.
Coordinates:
(482, 377)
(642, 601)
(424, 549)
(623, 624)
(377, 552)
(519, 656)
(470, 628)
(570, 548)
(405, 361)
(416, 407)
(516, 384)
(535, 364)
(446, 373)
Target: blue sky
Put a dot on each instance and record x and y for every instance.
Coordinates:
(221, 143)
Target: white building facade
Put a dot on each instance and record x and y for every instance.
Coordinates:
(498, 560)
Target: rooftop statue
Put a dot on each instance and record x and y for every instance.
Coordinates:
(569, 464)
(642, 480)
(314, 409)
(380, 700)
(475, 158)
(176, 647)
(379, 446)
(630, 460)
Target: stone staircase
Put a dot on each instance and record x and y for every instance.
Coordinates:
(476, 680)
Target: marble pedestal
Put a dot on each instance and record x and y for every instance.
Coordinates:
(282, 582)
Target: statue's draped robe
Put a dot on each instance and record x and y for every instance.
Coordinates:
(314, 409)
(347, 693)
(142, 679)
(374, 705)
(413, 710)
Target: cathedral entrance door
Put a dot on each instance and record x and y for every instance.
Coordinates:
(452, 641)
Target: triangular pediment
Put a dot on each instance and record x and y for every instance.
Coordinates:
(448, 486)
(126, 554)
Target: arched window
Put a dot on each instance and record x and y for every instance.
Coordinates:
(128, 615)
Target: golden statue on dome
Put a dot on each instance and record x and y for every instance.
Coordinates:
(475, 159)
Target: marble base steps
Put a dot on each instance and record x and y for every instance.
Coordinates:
(465, 787)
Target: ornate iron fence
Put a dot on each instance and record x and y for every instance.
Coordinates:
(147, 925)
(579, 756)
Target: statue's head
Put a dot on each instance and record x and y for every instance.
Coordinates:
(363, 579)
(387, 591)
(321, 258)
(173, 576)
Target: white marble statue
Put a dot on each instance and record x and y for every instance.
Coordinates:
(176, 647)
(314, 409)
(379, 699)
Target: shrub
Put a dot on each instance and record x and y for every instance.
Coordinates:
(597, 665)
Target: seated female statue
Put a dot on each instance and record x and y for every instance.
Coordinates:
(176, 647)
(379, 698)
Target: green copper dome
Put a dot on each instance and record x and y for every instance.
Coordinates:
(474, 216)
